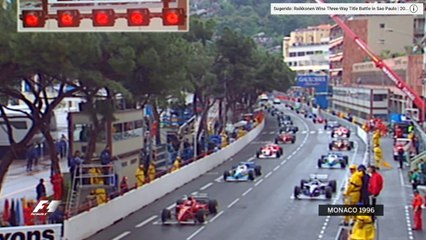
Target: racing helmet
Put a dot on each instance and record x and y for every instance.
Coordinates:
(352, 167)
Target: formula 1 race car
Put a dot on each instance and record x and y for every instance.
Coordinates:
(333, 160)
(318, 186)
(289, 128)
(270, 151)
(406, 144)
(340, 145)
(285, 137)
(283, 117)
(341, 132)
(332, 125)
(245, 171)
(192, 209)
(318, 119)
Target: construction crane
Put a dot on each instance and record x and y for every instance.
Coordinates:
(400, 83)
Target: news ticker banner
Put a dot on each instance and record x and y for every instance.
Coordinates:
(350, 210)
(347, 8)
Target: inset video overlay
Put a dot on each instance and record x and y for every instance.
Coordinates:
(347, 8)
(103, 16)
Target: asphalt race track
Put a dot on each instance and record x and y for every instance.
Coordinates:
(259, 210)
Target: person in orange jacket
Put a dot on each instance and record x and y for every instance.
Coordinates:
(417, 211)
(28, 210)
(57, 183)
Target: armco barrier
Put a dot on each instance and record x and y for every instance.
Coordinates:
(88, 223)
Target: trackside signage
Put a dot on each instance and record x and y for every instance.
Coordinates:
(37, 232)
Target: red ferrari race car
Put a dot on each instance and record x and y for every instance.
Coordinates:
(341, 145)
(341, 132)
(193, 209)
(318, 119)
(285, 137)
(270, 151)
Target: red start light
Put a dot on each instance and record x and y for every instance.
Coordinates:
(33, 19)
(173, 16)
(68, 18)
(138, 17)
(103, 18)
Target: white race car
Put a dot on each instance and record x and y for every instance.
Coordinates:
(270, 151)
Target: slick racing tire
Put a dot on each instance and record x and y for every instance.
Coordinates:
(333, 185)
(212, 205)
(226, 175)
(276, 141)
(319, 163)
(293, 140)
(297, 191)
(201, 216)
(302, 183)
(328, 193)
(258, 170)
(166, 214)
(343, 165)
(330, 146)
(346, 160)
(257, 154)
(251, 175)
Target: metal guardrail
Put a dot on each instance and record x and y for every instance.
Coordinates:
(416, 160)
(422, 136)
(342, 234)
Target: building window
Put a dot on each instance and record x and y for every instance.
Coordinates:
(382, 25)
(292, 54)
(318, 52)
(309, 53)
(301, 54)
(379, 97)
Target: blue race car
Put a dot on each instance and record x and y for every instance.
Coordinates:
(245, 171)
(333, 160)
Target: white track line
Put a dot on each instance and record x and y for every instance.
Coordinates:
(401, 178)
(146, 221)
(276, 168)
(233, 202)
(218, 179)
(246, 192)
(206, 186)
(268, 175)
(121, 235)
(260, 181)
(195, 233)
(171, 206)
(408, 222)
(250, 159)
(216, 216)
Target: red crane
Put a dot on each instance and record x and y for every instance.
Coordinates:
(400, 83)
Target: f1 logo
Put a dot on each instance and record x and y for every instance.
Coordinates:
(50, 206)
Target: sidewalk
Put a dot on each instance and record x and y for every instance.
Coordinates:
(19, 184)
(396, 197)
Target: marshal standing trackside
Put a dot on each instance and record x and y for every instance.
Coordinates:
(354, 210)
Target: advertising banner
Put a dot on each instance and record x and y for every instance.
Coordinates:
(37, 232)
(319, 84)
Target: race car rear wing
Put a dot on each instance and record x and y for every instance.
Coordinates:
(321, 177)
